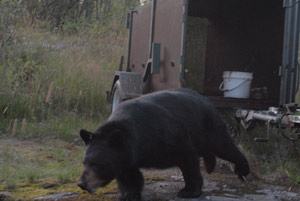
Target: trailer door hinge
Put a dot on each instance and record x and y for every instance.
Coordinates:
(181, 60)
(290, 3)
(180, 76)
(280, 70)
(185, 3)
(183, 18)
(286, 3)
(128, 21)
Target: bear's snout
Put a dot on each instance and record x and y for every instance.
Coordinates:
(82, 185)
(85, 187)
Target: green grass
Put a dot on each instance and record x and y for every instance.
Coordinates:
(80, 68)
(34, 162)
(47, 153)
(33, 168)
(66, 127)
(277, 159)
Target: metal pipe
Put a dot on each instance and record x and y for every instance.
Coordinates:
(289, 70)
(121, 63)
(291, 55)
(266, 117)
(268, 134)
(152, 27)
(285, 56)
(183, 43)
(295, 48)
(132, 11)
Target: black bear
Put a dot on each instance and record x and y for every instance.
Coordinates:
(158, 130)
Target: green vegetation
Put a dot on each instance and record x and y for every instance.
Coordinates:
(54, 78)
(54, 72)
(276, 160)
(40, 82)
(34, 168)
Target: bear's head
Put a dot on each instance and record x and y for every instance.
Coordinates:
(106, 156)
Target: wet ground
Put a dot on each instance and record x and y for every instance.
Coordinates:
(222, 185)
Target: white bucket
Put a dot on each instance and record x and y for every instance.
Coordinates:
(236, 84)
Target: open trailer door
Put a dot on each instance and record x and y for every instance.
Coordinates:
(289, 70)
(286, 117)
(168, 27)
(156, 43)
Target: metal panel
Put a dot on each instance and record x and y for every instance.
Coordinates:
(152, 27)
(289, 70)
(155, 68)
(229, 103)
(130, 84)
(168, 31)
(196, 46)
(129, 25)
(139, 53)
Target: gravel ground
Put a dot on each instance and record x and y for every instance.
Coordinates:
(222, 185)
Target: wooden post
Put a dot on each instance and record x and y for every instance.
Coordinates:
(14, 127)
(16, 87)
(50, 90)
(23, 128)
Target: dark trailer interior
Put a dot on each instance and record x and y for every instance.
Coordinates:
(191, 43)
(235, 35)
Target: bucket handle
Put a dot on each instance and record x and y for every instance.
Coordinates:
(222, 85)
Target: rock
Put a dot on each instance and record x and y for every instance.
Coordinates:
(78, 141)
(59, 196)
(6, 196)
(49, 185)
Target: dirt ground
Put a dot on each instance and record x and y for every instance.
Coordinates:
(222, 185)
(160, 185)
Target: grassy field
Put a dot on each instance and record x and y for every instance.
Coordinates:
(35, 168)
(52, 79)
(51, 86)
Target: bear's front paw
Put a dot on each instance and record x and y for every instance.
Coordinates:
(189, 193)
(242, 172)
(130, 198)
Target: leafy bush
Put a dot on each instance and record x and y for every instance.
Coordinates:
(46, 77)
(67, 14)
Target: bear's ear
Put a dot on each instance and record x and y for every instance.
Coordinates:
(86, 136)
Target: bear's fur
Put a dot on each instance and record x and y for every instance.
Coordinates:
(158, 130)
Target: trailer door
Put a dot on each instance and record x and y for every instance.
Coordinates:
(289, 71)
(168, 31)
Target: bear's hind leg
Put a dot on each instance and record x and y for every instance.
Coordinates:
(209, 162)
(192, 177)
(130, 185)
(229, 151)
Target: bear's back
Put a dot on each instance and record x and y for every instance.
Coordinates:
(172, 109)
